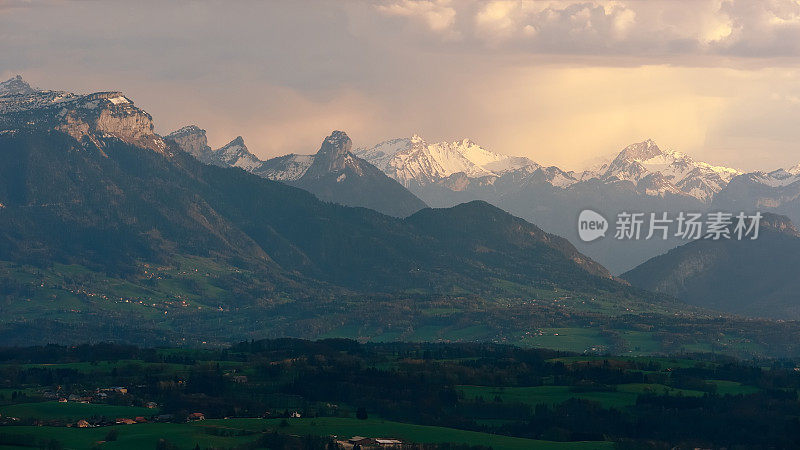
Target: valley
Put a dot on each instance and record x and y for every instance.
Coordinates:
(259, 394)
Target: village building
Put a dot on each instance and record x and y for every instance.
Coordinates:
(368, 442)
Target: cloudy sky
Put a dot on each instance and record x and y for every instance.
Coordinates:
(563, 82)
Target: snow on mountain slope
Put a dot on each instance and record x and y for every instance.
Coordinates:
(236, 154)
(15, 86)
(657, 171)
(775, 179)
(192, 139)
(381, 154)
(415, 161)
(795, 170)
(777, 191)
(333, 174)
(654, 171)
(93, 116)
(337, 175)
(285, 168)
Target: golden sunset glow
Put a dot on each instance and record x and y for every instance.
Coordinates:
(565, 83)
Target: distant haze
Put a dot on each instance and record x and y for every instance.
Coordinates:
(560, 82)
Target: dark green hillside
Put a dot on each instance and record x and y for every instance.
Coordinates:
(750, 277)
(102, 240)
(113, 205)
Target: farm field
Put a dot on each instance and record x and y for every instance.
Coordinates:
(301, 395)
(622, 395)
(186, 436)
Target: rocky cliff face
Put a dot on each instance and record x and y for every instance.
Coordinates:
(94, 116)
(337, 175)
(333, 156)
(192, 139)
(333, 174)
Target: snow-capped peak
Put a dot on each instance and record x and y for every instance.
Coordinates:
(795, 170)
(640, 151)
(236, 154)
(415, 161)
(776, 178)
(659, 171)
(15, 86)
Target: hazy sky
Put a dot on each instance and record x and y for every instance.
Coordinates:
(562, 82)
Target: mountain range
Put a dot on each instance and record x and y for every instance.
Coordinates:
(777, 192)
(463, 164)
(96, 207)
(111, 231)
(332, 174)
(84, 167)
(642, 178)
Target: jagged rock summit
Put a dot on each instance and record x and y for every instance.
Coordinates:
(193, 140)
(236, 154)
(333, 174)
(15, 86)
(337, 175)
(334, 155)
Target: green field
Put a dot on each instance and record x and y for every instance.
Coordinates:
(733, 388)
(186, 436)
(130, 437)
(72, 411)
(624, 395)
(346, 427)
(664, 363)
(567, 339)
